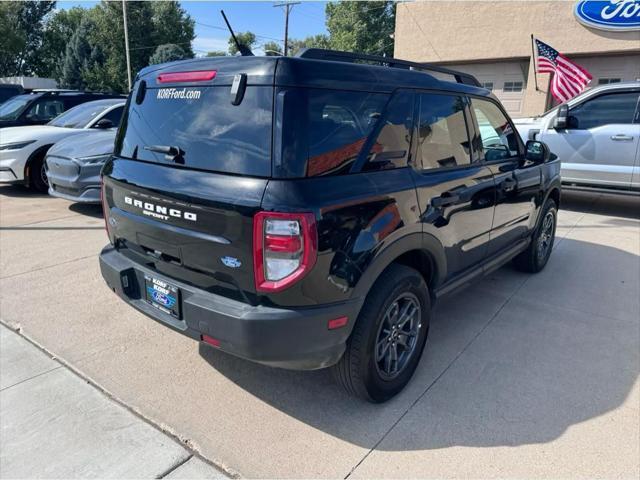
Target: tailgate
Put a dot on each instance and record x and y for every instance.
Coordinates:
(190, 225)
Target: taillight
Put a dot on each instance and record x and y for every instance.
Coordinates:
(285, 247)
(180, 77)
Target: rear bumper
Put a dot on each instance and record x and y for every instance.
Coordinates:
(293, 338)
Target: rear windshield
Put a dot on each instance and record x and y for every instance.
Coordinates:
(203, 126)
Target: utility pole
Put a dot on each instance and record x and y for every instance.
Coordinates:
(287, 8)
(126, 41)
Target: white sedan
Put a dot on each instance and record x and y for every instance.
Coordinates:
(22, 149)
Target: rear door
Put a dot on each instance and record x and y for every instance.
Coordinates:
(456, 195)
(188, 175)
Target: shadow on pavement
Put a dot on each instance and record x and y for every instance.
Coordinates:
(626, 206)
(519, 370)
(89, 209)
(20, 191)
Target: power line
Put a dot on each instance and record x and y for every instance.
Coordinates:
(423, 34)
(226, 30)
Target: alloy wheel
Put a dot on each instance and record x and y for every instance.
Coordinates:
(397, 336)
(546, 235)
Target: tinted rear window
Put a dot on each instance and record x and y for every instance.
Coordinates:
(201, 121)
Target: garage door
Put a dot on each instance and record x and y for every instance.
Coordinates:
(611, 69)
(507, 80)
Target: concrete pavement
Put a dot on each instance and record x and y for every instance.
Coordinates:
(522, 376)
(54, 424)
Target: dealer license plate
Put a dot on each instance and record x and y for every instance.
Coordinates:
(162, 295)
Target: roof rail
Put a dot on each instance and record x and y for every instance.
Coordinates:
(338, 56)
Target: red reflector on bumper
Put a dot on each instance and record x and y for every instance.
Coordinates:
(337, 323)
(210, 340)
(194, 76)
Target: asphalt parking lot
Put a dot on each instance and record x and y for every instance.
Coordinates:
(523, 376)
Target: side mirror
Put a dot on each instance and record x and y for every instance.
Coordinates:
(537, 152)
(561, 118)
(103, 123)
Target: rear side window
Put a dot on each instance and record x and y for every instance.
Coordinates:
(392, 134)
(442, 132)
(329, 132)
(339, 124)
(45, 110)
(201, 123)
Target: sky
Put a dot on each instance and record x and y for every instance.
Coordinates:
(262, 18)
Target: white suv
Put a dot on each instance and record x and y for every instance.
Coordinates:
(596, 136)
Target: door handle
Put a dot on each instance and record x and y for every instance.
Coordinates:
(621, 138)
(445, 199)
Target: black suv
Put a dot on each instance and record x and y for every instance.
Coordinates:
(306, 212)
(40, 107)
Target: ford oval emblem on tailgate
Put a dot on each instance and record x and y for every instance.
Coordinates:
(231, 262)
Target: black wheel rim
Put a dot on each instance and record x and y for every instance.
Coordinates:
(398, 336)
(546, 235)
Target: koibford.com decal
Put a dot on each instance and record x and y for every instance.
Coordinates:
(178, 94)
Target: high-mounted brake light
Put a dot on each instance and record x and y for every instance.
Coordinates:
(181, 77)
(285, 248)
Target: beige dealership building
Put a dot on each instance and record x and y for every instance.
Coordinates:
(492, 40)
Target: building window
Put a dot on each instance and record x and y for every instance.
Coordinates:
(606, 81)
(487, 85)
(512, 87)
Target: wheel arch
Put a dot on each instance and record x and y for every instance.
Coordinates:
(419, 251)
(36, 154)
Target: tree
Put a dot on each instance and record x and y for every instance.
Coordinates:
(22, 32)
(314, 41)
(150, 24)
(363, 27)
(79, 58)
(168, 52)
(216, 53)
(272, 48)
(58, 31)
(248, 39)
(172, 24)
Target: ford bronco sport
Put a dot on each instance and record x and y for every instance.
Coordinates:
(306, 212)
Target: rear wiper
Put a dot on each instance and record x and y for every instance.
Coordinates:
(171, 154)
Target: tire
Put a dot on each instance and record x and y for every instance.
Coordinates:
(37, 174)
(372, 377)
(537, 254)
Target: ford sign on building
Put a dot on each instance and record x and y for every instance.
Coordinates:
(492, 40)
(610, 15)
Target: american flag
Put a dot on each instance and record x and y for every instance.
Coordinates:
(569, 79)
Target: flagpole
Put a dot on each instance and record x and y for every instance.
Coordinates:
(533, 59)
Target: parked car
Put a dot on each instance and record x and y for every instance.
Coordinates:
(307, 212)
(41, 106)
(22, 149)
(74, 164)
(9, 90)
(596, 135)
